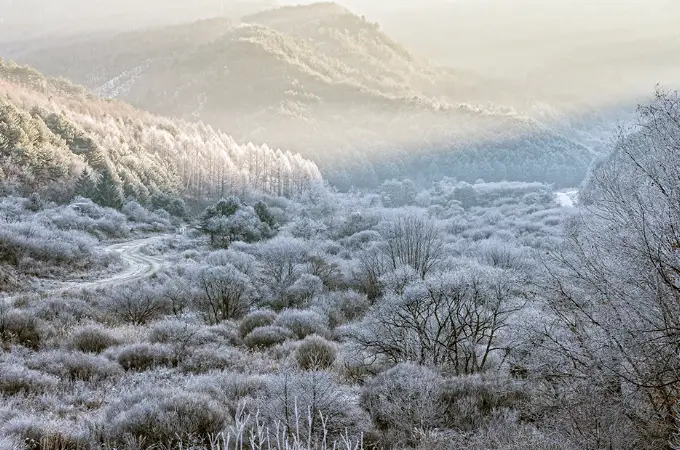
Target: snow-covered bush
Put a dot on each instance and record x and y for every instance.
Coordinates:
(164, 417)
(302, 322)
(137, 303)
(315, 353)
(141, 357)
(267, 336)
(92, 339)
(75, 366)
(341, 307)
(15, 379)
(256, 319)
(404, 399)
(225, 292)
(19, 327)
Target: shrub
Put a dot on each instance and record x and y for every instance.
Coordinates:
(304, 288)
(256, 319)
(472, 402)
(64, 311)
(404, 398)
(15, 379)
(137, 304)
(315, 353)
(207, 359)
(267, 336)
(229, 388)
(37, 434)
(312, 395)
(164, 418)
(302, 322)
(227, 293)
(19, 327)
(141, 357)
(74, 366)
(175, 332)
(92, 339)
(341, 307)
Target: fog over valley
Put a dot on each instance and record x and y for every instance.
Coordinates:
(364, 225)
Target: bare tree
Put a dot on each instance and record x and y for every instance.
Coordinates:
(452, 321)
(412, 240)
(137, 304)
(615, 300)
(227, 293)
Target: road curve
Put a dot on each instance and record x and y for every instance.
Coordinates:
(139, 266)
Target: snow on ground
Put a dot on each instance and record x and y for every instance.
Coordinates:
(567, 198)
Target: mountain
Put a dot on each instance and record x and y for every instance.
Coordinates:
(328, 84)
(54, 135)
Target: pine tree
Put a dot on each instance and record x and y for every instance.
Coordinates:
(109, 192)
(86, 186)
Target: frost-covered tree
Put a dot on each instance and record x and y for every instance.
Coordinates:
(226, 292)
(613, 315)
(413, 241)
(453, 320)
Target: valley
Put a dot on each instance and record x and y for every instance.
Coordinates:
(255, 224)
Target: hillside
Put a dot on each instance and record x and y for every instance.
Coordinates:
(55, 134)
(331, 85)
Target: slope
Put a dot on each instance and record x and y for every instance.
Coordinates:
(52, 132)
(331, 85)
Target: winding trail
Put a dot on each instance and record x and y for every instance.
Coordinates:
(138, 266)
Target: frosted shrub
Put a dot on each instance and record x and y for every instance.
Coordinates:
(314, 399)
(341, 307)
(40, 433)
(141, 357)
(403, 399)
(176, 332)
(315, 353)
(137, 304)
(473, 402)
(226, 292)
(229, 388)
(304, 289)
(75, 366)
(19, 327)
(268, 336)
(302, 322)
(164, 418)
(210, 358)
(92, 339)
(256, 319)
(65, 310)
(15, 379)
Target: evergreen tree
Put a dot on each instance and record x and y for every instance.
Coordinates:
(266, 217)
(109, 192)
(86, 186)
